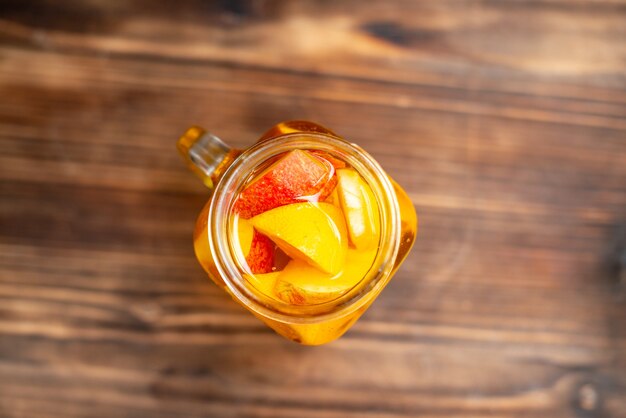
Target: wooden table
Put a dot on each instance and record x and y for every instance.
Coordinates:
(504, 120)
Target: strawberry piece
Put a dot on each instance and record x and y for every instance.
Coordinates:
(297, 176)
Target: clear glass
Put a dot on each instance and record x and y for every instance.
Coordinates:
(225, 171)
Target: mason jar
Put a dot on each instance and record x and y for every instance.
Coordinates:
(225, 171)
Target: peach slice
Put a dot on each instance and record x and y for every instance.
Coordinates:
(301, 284)
(263, 283)
(311, 232)
(260, 259)
(256, 248)
(297, 176)
(359, 208)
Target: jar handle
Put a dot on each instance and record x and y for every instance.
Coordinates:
(205, 154)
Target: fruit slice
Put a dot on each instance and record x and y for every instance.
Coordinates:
(260, 258)
(296, 176)
(301, 284)
(245, 232)
(263, 283)
(256, 248)
(359, 208)
(311, 232)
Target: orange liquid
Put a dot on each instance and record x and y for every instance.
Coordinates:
(282, 271)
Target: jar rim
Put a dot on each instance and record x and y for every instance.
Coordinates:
(227, 189)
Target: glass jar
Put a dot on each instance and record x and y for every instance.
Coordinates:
(225, 171)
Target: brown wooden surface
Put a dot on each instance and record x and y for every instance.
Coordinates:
(504, 120)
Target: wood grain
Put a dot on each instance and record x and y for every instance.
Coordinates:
(504, 120)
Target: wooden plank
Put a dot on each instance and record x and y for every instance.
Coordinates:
(505, 122)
